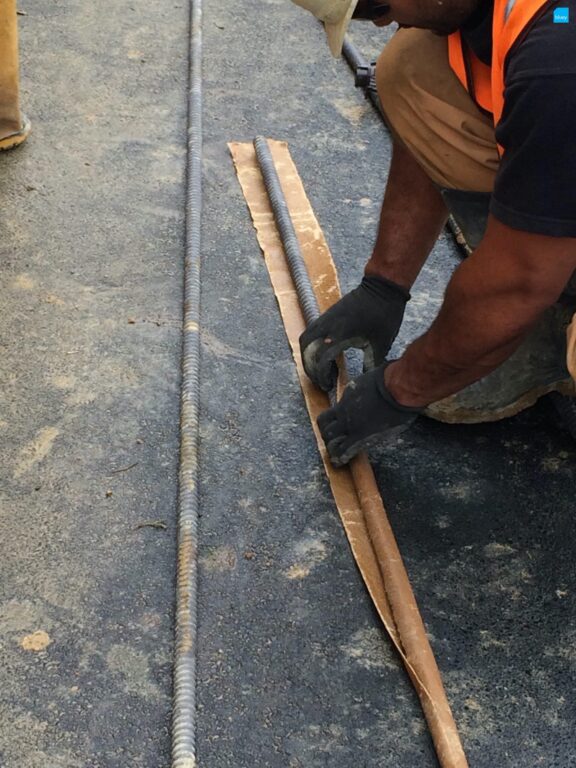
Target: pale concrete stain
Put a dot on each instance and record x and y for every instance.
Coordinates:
(51, 298)
(61, 381)
(556, 463)
(21, 616)
(23, 282)
(351, 112)
(219, 559)
(134, 667)
(298, 572)
(461, 491)
(37, 641)
(308, 554)
(368, 648)
(81, 397)
(36, 450)
(487, 640)
(498, 550)
(24, 742)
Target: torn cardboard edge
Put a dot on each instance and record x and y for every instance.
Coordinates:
(354, 487)
(571, 348)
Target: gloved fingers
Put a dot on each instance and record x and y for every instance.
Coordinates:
(375, 355)
(367, 414)
(319, 358)
(336, 439)
(329, 425)
(337, 452)
(342, 450)
(335, 443)
(369, 361)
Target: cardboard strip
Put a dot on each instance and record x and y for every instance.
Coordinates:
(571, 348)
(354, 488)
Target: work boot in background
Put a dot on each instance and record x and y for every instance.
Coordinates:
(14, 126)
(539, 366)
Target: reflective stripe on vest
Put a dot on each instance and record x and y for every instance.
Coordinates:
(486, 84)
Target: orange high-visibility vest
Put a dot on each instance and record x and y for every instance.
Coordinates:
(486, 83)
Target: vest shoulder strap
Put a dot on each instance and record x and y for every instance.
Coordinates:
(511, 17)
(473, 74)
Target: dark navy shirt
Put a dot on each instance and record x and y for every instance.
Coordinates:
(535, 188)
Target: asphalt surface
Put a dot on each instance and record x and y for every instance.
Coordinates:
(293, 667)
(91, 222)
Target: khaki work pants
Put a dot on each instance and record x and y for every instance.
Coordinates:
(13, 127)
(433, 115)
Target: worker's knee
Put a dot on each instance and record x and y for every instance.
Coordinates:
(399, 70)
(430, 112)
(389, 77)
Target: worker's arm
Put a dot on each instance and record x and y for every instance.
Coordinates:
(413, 214)
(492, 301)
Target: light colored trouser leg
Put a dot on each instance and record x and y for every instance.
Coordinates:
(10, 117)
(432, 114)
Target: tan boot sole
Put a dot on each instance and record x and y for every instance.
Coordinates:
(536, 368)
(451, 412)
(9, 142)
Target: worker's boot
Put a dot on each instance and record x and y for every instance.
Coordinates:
(468, 216)
(538, 366)
(14, 127)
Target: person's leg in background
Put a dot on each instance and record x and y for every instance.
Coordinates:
(14, 127)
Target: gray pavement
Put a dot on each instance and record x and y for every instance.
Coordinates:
(91, 239)
(293, 667)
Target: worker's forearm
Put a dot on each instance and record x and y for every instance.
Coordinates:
(468, 340)
(491, 303)
(412, 217)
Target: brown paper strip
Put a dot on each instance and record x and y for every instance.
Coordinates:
(571, 348)
(354, 489)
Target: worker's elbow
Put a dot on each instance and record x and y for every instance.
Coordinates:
(537, 289)
(540, 265)
(539, 282)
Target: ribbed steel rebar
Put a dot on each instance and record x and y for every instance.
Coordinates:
(306, 295)
(356, 61)
(352, 55)
(184, 713)
(412, 642)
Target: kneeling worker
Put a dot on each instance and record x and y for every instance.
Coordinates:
(480, 97)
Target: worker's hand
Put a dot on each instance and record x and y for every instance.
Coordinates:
(368, 318)
(367, 414)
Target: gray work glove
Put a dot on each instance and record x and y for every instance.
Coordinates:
(368, 318)
(366, 414)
